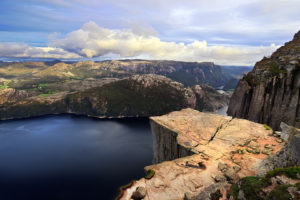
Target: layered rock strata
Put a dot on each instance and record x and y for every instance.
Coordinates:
(204, 151)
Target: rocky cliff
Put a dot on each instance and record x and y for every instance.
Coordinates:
(270, 92)
(139, 95)
(204, 156)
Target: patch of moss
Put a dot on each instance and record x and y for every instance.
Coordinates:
(48, 93)
(280, 193)
(149, 174)
(267, 127)
(44, 95)
(122, 188)
(5, 85)
(290, 172)
(43, 85)
(250, 151)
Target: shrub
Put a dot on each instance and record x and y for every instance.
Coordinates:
(290, 172)
(252, 187)
(149, 174)
(274, 69)
(280, 193)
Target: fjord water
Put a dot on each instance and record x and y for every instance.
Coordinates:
(71, 158)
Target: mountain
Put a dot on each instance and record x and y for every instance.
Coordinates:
(235, 73)
(270, 92)
(138, 95)
(188, 73)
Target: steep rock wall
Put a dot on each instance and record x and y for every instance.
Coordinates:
(270, 92)
(165, 146)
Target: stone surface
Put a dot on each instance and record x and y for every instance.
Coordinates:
(287, 156)
(215, 146)
(269, 94)
(139, 194)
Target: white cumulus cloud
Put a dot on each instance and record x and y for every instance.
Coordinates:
(92, 41)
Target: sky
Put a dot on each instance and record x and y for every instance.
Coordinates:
(227, 32)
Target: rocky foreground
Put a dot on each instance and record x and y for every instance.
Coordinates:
(201, 155)
(270, 92)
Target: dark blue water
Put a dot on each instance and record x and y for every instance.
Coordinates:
(68, 157)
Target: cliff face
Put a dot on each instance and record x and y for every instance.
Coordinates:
(139, 95)
(165, 145)
(270, 92)
(201, 153)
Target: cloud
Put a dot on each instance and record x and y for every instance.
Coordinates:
(15, 50)
(93, 41)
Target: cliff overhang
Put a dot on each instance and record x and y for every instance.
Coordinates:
(197, 152)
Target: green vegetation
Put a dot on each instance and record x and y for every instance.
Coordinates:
(150, 173)
(251, 79)
(128, 98)
(234, 191)
(267, 127)
(275, 70)
(122, 188)
(44, 95)
(289, 172)
(48, 93)
(4, 85)
(252, 186)
(280, 193)
(43, 85)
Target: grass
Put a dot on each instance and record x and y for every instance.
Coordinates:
(44, 95)
(5, 85)
(2, 87)
(149, 174)
(43, 85)
(49, 93)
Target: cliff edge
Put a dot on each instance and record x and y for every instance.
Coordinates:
(199, 152)
(270, 92)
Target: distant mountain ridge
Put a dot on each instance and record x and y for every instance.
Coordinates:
(188, 73)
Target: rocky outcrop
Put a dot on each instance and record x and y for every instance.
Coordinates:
(11, 95)
(290, 154)
(270, 92)
(139, 95)
(204, 152)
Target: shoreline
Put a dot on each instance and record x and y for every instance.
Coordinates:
(100, 117)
